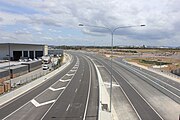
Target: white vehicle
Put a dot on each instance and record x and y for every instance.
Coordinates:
(45, 67)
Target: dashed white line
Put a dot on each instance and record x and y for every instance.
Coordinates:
(68, 107)
(136, 92)
(76, 90)
(56, 99)
(33, 101)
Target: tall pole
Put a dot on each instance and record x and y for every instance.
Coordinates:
(112, 35)
(111, 71)
(9, 63)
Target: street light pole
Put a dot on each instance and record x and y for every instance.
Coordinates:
(9, 62)
(112, 36)
(112, 31)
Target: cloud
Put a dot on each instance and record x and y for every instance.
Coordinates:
(161, 17)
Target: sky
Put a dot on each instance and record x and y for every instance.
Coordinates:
(55, 22)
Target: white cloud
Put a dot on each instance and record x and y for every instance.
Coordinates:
(161, 17)
(10, 18)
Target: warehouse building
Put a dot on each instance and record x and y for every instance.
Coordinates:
(55, 52)
(18, 50)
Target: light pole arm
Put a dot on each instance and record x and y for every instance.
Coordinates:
(112, 36)
(97, 27)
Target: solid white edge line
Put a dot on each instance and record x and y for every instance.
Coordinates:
(89, 90)
(30, 100)
(58, 96)
(21, 95)
(154, 81)
(149, 76)
(15, 111)
(139, 94)
(123, 93)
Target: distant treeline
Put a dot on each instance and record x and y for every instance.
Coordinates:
(109, 47)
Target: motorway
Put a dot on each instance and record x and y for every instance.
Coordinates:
(70, 95)
(150, 95)
(73, 94)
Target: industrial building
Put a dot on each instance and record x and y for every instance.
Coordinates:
(55, 52)
(18, 50)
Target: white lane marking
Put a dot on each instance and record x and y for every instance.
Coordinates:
(141, 73)
(75, 68)
(70, 74)
(16, 98)
(76, 90)
(158, 84)
(72, 70)
(114, 85)
(15, 111)
(56, 89)
(57, 97)
(28, 101)
(65, 80)
(136, 92)
(68, 107)
(35, 103)
(89, 90)
(142, 97)
(124, 94)
(99, 65)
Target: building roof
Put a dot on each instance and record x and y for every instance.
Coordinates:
(21, 44)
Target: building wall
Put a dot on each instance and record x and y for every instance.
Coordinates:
(4, 49)
(55, 52)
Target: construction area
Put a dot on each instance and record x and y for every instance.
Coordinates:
(164, 60)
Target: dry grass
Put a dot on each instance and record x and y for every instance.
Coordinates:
(174, 63)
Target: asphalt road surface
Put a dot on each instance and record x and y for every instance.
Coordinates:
(122, 71)
(73, 94)
(70, 95)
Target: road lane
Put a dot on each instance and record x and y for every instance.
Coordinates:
(145, 111)
(74, 103)
(71, 96)
(13, 105)
(42, 100)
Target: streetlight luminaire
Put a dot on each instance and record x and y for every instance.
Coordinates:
(112, 31)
